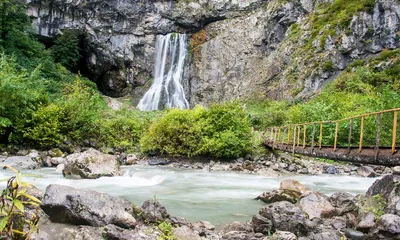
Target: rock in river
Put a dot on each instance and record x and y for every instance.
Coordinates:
(65, 204)
(90, 164)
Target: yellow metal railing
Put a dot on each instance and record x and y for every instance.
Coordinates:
(283, 134)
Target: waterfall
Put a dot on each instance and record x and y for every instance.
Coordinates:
(167, 90)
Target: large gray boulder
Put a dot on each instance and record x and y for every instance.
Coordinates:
(65, 204)
(286, 216)
(154, 212)
(20, 162)
(387, 227)
(317, 205)
(343, 202)
(91, 164)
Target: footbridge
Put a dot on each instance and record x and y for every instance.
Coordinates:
(370, 138)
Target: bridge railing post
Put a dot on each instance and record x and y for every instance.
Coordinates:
(361, 134)
(336, 136)
(378, 135)
(350, 133)
(320, 136)
(294, 138)
(304, 136)
(394, 134)
(313, 138)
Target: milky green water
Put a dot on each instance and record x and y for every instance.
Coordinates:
(218, 197)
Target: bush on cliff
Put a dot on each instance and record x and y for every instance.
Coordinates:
(223, 131)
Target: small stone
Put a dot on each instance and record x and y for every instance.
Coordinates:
(353, 234)
(292, 168)
(131, 159)
(55, 152)
(331, 170)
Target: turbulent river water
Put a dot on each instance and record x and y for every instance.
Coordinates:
(218, 197)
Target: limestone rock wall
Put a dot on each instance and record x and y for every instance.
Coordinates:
(239, 48)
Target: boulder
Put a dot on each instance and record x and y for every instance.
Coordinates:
(388, 188)
(115, 232)
(20, 162)
(202, 227)
(35, 156)
(286, 216)
(65, 204)
(343, 202)
(386, 227)
(279, 195)
(294, 186)
(367, 222)
(57, 160)
(366, 171)
(154, 212)
(185, 233)
(396, 170)
(261, 224)
(91, 164)
(317, 205)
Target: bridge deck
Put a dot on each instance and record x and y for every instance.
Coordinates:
(368, 155)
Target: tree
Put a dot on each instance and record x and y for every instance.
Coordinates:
(66, 49)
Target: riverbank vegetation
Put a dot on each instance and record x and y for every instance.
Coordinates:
(45, 103)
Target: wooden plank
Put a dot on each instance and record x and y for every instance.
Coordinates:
(361, 134)
(336, 136)
(304, 136)
(394, 134)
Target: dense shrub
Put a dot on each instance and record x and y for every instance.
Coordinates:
(19, 93)
(121, 129)
(223, 131)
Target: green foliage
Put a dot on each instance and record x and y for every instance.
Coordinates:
(338, 14)
(223, 130)
(20, 95)
(375, 204)
(121, 129)
(81, 108)
(43, 127)
(266, 113)
(19, 211)
(166, 230)
(66, 49)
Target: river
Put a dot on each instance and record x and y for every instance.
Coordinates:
(218, 197)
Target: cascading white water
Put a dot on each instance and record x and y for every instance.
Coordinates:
(167, 90)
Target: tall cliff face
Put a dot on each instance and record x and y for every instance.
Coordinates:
(282, 49)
